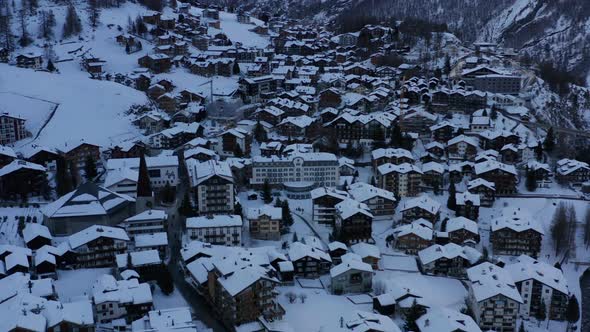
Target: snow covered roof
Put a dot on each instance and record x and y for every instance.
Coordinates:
(448, 251)
(107, 289)
(7, 151)
(516, 219)
(464, 197)
(433, 166)
(368, 322)
(566, 166)
(151, 240)
(94, 232)
(420, 227)
(488, 280)
(462, 138)
(300, 250)
(78, 313)
(87, 200)
(242, 279)
(528, 268)
(332, 192)
(217, 220)
(480, 182)
(458, 223)
(302, 121)
(166, 320)
(309, 156)
(348, 265)
(148, 215)
(391, 153)
(363, 191)
(491, 165)
(335, 245)
(202, 171)
(265, 210)
(33, 230)
(17, 165)
(402, 168)
(349, 207)
(423, 202)
(139, 258)
(440, 319)
(366, 250)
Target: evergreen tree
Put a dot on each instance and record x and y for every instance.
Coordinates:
(494, 112)
(266, 192)
(140, 27)
(541, 313)
(549, 142)
(452, 200)
(6, 40)
(46, 24)
(287, 218)
(72, 24)
(238, 153)
(25, 39)
(144, 187)
(90, 168)
(295, 239)
(236, 68)
(62, 178)
(50, 66)
(278, 203)
(93, 13)
(259, 132)
(74, 175)
(530, 180)
(165, 282)
(412, 316)
(447, 70)
(539, 151)
(572, 313)
(559, 228)
(521, 328)
(186, 207)
(238, 209)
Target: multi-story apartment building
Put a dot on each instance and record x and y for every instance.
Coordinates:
(516, 233)
(392, 156)
(413, 237)
(420, 207)
(254, 89)
(213, 186)
(147, 222)
(402, 180)
(380, 201)
(493, 297)
(462, 231)
(361, 128)
(308, 261)
(450, 260)
(467, 205)
(538, 282)
(317, 168)
(12, 128)
(114, 299)
(485, 189)
(572, 171)
(354, 222)
(324, 202)
(502, 175)
(462, 148)
(265, 222)
(495, 83)
(96, 246)
(216, 229)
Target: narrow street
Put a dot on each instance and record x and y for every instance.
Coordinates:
(200, 307)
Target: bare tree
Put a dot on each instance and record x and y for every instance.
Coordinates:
(302, 297)
(25, 39)
(559, 228)
(587, 227)
(93, 13)
(572, 220)
(46, 24)
(291, 296)
(5, 26)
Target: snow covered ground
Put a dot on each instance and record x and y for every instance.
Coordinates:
(9, 223)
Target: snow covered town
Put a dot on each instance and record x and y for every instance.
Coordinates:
(186, 166)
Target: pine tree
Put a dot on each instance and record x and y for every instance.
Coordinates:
(295, 239)
(447, 70)
(74, 175)
(7, 40)
(266, 192)
(62, 178)
(25, 39)
(559, 228)
(412, 316)
(541, 313)
(236, 68)
(164, 281)
(287, 218)
(278, 203)
(539, 151)
(238, 209)
(259, 132)
(90, 168)
(452, 200)
(50, 66)
(530, 180)
(238, 153)
(46, 24)
(521, 328)
(72, 25)
(186, 208)
(549, 142)
(93, 13)
(572, 313)
(144, 187)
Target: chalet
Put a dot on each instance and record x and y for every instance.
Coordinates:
(467, 205)
(433, 174)
(157, 63)
(541, 172)
(485, 189)
(36, 236)
(79, 152)
(462, 148)
(510, 154)
(330, 98)
(234, 142)
(31, 61)
(309, 261)
(114, 299)
(462, 231)
(413, 237)
(303, 127)
(129, 149)
(496, 139)
(516, 233)
(436, 148)
(379, 201)
(96, 246)
(20, 178)
(337, 250)
(351, 276)
(324, 201)
(450, 260)
(420, 207)
(369, 253)
(446, 320)
(353, 222)
(265, 222)
(572, 171)
(503, 176)
(391, 155)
